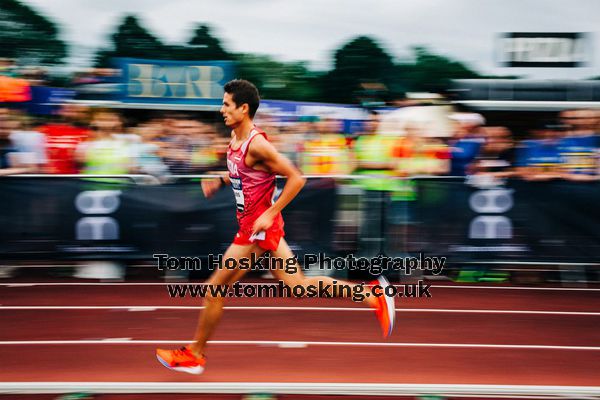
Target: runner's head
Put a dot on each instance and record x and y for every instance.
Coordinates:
(240, 101)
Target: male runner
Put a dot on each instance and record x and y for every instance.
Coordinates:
(253, 164)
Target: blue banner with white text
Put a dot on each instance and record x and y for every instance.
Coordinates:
(178, 82)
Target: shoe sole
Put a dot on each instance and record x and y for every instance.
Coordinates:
(190, 370)
(389, 303)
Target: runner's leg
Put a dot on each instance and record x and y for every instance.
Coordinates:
(298, 278)
(384, 306)
(211, 315)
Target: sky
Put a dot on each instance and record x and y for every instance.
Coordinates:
(311, 30)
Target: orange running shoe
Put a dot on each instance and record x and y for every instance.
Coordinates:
(385, 309)
(182, 360)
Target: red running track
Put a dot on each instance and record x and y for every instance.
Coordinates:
(422, 350)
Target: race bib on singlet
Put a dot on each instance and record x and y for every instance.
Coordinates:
(258, 236)
(236, 185)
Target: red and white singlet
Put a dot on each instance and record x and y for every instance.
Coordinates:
(254, 191)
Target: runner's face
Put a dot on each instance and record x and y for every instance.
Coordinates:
(232, 113)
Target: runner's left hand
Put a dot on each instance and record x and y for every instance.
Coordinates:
(210, 187)
(264, 222)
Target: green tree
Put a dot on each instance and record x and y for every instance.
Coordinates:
(360, 62)
(29, 36)
(431, 72)
(278, 80)
(131, 39)
(204, 46)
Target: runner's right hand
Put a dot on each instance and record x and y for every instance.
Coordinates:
(210, 186)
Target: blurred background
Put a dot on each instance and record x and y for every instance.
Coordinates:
(465, 129)
(451, 156)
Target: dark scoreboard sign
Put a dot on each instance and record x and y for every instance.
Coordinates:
(544, 49)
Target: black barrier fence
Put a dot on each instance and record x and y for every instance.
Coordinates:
(101, 219)
(465, 221)
(555, 221)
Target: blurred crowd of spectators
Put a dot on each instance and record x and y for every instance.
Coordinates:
(105, 141)
(97, 141)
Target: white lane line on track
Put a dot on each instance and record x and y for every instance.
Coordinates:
(30, 284)
(356, 389)
(292, 308)
(284, 343)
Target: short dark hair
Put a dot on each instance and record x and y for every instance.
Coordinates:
(243, 91)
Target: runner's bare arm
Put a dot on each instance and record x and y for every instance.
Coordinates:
(211, 185)
(263, 152)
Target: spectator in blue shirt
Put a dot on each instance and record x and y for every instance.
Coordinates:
(579, 147)
(539, 159)
(466, 142)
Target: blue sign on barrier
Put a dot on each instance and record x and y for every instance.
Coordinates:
(351, 116)
(181, 82)
(46, 100)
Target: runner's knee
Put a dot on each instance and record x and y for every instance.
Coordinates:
(211, 298)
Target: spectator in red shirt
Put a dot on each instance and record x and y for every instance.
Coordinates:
(63, 137)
